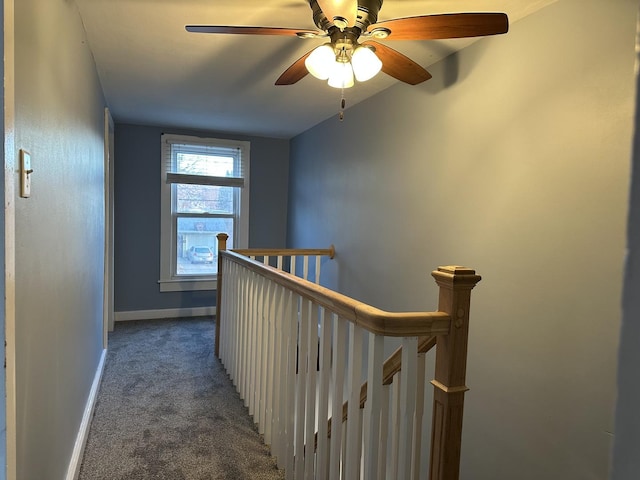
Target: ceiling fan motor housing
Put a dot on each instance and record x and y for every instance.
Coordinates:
(319, 18)
(367, 14)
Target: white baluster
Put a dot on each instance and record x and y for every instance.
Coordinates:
(292, 265)
(248, 308)
(396, 407)
(318, 259)
(227, 339)
(243, 344)
(251, 343)
(343, 448)
(261, 346)
(225, 326)
(257, 348)
(417, 424)
(305, 267)
(268, 390)
(222, 310)
(384, 433)
(354, 373)
(239, 312)
(337, 400)
(264, 354)
(408, 400)
(312, 362)
(291, 334)
(322, 452)
(373, 405)
(360, 437)
(301, 387)
(232, 325)
(253, 305)
(278, 375)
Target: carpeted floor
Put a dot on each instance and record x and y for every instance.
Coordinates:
(167, 410)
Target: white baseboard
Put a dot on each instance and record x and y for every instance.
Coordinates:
(164, 313)
(83, 433)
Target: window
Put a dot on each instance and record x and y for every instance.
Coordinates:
(205, 191)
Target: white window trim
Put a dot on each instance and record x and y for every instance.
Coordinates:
(169, 282)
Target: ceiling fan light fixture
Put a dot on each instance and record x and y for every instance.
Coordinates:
(380, 33)
(320, 62)
(340, 22)
(341, 75)
(366, 63)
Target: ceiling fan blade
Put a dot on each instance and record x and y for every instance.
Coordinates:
(252, 30)
(295, 72)
(398, 65)
(347, 9)
(448, 25)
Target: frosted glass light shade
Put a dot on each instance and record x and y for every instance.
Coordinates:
(321, 61)
(341, 75)
(366, 63)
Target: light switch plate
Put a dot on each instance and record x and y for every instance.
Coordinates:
(25, 173)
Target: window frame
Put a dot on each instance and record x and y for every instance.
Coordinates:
(169, 280)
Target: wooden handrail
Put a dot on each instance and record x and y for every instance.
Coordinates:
(274, 252)
(374, 320)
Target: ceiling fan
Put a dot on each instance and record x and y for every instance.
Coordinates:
(344, 22)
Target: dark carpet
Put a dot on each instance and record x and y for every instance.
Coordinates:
(167, 410)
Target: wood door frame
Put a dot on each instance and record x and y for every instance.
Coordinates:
(108, 313)
(10, 241)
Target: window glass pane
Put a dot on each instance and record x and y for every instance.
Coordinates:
(211, 165)
(197, 244)
(203, 199)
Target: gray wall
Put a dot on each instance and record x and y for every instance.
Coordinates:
(626, 461)
(137, 212)
(59, 233)
(513, 160)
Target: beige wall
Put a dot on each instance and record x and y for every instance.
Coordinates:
(514, 160)
(59, 234)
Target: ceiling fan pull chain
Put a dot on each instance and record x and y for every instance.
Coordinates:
(342, 104)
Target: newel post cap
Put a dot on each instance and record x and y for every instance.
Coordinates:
(222, 241)
(453, 276)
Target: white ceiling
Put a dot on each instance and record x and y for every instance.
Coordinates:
(153, 72)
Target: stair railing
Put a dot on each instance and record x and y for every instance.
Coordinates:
(295, 351)
(285, 259)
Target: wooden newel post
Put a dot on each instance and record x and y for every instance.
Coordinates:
(222, 245)
(450, 370)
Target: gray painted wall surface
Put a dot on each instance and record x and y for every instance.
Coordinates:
(513, 160)
(137, 212)
(626, 461)
(59, 234)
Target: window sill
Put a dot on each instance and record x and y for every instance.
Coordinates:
(187, 285)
